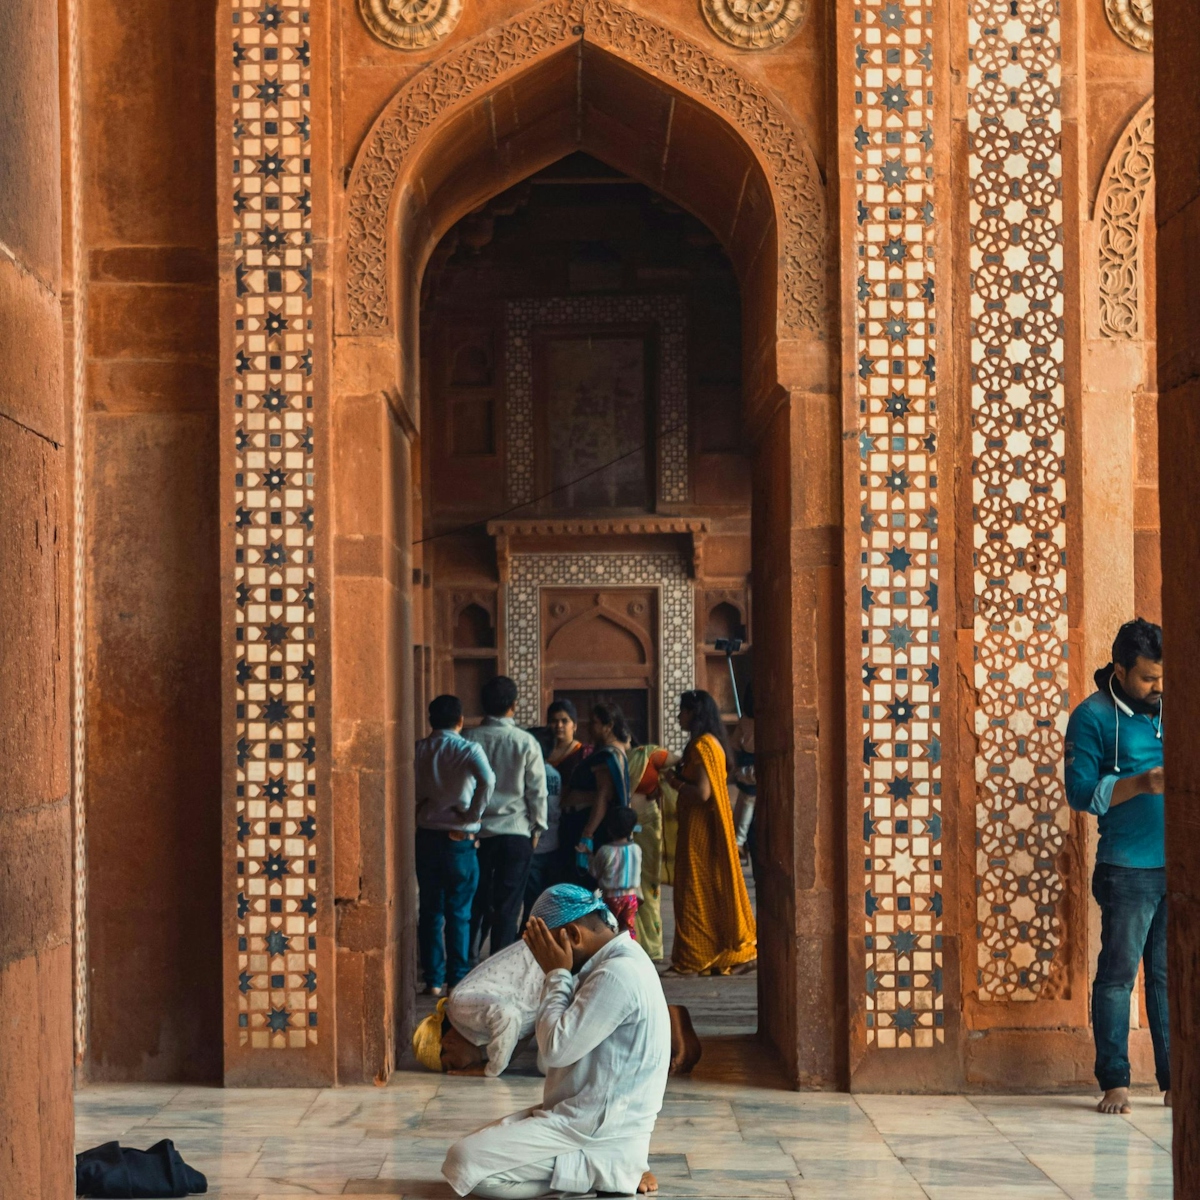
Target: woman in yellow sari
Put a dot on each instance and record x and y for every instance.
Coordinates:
(715, 931)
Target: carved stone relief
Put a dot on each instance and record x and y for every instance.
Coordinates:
(754, 24)
(1132, 21)
(410, 24)
(481, 63)
(1120, 207)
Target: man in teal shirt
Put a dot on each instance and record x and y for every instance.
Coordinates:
(1114, 770)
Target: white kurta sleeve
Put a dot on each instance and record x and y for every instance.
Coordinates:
(503, 1023)
(570, 1027)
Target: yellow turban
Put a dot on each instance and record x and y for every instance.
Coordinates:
(427, 1039)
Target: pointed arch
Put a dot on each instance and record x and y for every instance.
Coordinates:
(793, 186)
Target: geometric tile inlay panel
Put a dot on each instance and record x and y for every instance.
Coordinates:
(274, 664)
(669, 314)
(522, 617)
(1014, 119)
(896, 352)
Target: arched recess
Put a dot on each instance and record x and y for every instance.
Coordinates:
(1123, 215)
(630, 635)
(1123, 397)
(567, 76)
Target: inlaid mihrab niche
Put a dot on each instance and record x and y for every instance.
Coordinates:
(274, 668)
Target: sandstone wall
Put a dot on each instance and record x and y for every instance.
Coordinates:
(153, 732)
(35, 817)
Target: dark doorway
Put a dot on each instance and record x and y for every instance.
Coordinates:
(633, 702)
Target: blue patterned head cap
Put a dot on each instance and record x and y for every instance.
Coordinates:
(566, 902)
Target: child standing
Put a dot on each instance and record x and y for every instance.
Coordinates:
(617, 867)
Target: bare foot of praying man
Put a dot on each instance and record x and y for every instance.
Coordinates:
(648, 1184)
(1115, 1100)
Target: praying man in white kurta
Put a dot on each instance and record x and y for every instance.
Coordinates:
(604, 1042)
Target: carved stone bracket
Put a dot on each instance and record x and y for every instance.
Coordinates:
(480, 64)
(1120, 209)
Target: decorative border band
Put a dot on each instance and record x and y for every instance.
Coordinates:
(897, 388)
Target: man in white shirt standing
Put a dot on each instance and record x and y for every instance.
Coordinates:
(604, 1041)
(512, 821)
(454, 784)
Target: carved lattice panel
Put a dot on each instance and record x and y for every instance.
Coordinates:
(269, 341)
(897, 389)
(1018, 489)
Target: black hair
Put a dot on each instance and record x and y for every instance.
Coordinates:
(621, 822)
(545, 738)
(611, 714)
(1136, 639)
(748, 699)
(706, 718)
(445, 712)
(562, 706)
(498, 695)
(593, 920)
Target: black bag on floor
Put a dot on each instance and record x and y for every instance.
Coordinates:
(117, 1172)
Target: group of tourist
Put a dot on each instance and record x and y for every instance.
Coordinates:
(574, 833)
(605, 1035)
(504, 813)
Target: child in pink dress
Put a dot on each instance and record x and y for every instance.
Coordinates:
(617, 868)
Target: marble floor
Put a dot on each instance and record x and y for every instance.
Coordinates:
(719, 1135)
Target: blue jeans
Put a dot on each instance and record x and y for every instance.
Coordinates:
(447, 875)
(1133, 910)
(542, 869)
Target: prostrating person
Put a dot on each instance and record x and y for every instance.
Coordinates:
(715, 931)
(513, 819)
(477, 1030)
(453, 786)
(1114, 770)
(604, 1041)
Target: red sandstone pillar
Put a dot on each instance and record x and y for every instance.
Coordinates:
(35, 819)
(1177, 101)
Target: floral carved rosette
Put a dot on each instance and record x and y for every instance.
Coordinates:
(1132, 21)
(754, 24)
(410, 24)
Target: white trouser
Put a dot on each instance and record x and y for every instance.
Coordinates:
(521, 1183)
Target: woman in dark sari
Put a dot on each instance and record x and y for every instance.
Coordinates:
(600, 783)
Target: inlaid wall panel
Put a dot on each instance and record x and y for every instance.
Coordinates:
(1014, 122)
(896, 351)
(530, 573)
(275, 724)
